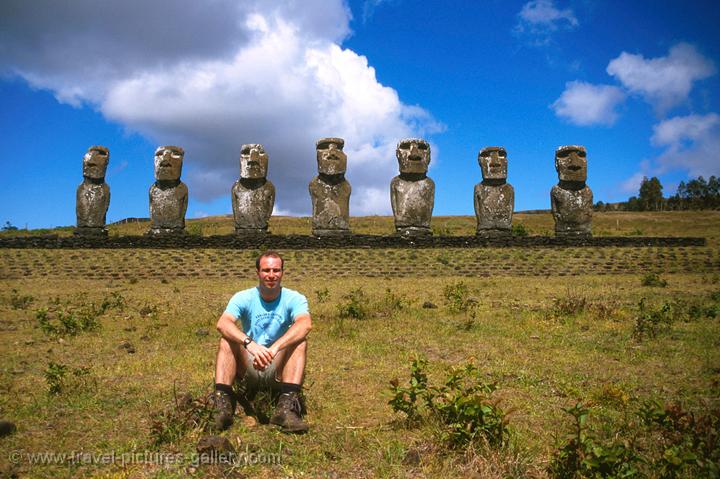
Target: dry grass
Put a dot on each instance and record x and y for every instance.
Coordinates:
(550, 326)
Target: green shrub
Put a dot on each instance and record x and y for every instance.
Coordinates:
(463, 407)
(58, 381)
(60, 319)
(20, 301)
(322, 295)
(518, 229)
(456, 297)
(582, 454)
(649, 321)
(686, 443)
(354, 306)
(653, 280)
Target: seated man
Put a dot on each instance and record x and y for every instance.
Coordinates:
(267, 350)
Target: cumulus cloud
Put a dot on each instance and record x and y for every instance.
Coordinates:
(690, 143)
(664, 81)
(540, 18)
(214, 77)
(587, 104)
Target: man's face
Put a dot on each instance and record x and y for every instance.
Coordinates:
(270, 273)
(330, 157)
(95, 162)
(413, 155)
(253, 161)
(493, 163)
(168, 163)
(571, 163)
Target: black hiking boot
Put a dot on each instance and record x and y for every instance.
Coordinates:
(223, 410)
(288, 414)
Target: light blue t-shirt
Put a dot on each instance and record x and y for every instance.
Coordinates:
(266, 322)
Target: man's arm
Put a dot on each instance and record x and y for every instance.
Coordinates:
(229, 330)
(295, 334)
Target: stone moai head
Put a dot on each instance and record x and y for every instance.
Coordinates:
(330, 157)
(413, 155)
(95, 162)
(493, 163)
(168, 163)
(253, 161)
(571, 163)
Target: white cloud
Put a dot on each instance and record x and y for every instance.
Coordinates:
(664, 81)
(692, 143)
(587, 104)
(540, 18)
(255, 72)
(369, 7)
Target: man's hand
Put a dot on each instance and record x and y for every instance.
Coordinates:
(262, 356)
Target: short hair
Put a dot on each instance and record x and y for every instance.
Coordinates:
(269, 254)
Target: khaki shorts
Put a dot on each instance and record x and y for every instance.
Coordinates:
(255, 380)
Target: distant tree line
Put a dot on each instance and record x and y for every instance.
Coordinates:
(697, 194)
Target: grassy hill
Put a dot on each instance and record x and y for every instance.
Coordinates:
(101, 346)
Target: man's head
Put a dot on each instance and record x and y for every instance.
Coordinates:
(95, 162)
(168, 163)
(571, 163)
(493, 163)
(413, 155)
(253, 161)
(269, 267)
(330, 157)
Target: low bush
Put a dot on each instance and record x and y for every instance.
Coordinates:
(653, 280)
(20, 301)
(649, 321)
(655, 441)
(58, 380)
(463, 407)
(355, 305)
(456, 297)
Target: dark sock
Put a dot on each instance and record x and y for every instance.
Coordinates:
(226, 388)
(286, 388)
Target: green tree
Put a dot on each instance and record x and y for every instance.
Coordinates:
(651, 198)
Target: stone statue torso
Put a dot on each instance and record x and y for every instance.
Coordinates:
(412, 202)
(92, 202)
(330, 204)
(572, 210)
(494, 206)
(252, 206)
(168, 206)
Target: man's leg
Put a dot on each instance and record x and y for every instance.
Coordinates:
(229, 364)
(290, 371)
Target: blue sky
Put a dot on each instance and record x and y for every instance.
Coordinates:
(637, 83)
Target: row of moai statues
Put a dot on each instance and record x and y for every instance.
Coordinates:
(412, 192)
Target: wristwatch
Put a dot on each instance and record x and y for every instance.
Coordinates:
(247, 341)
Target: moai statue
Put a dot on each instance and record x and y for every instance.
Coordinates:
(253, 195)
(412, 193)
(168, 195)
(330, 191)
(494, 197)
(571, 198)
(93, 195)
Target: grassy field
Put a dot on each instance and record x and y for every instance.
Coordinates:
(99, 347)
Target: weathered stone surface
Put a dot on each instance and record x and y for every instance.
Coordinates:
(494, 197)
(412, 193)
(253, 195)
(330, 191)
(93, 194)
(303, 242)
(168, 195)
(571, 199)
